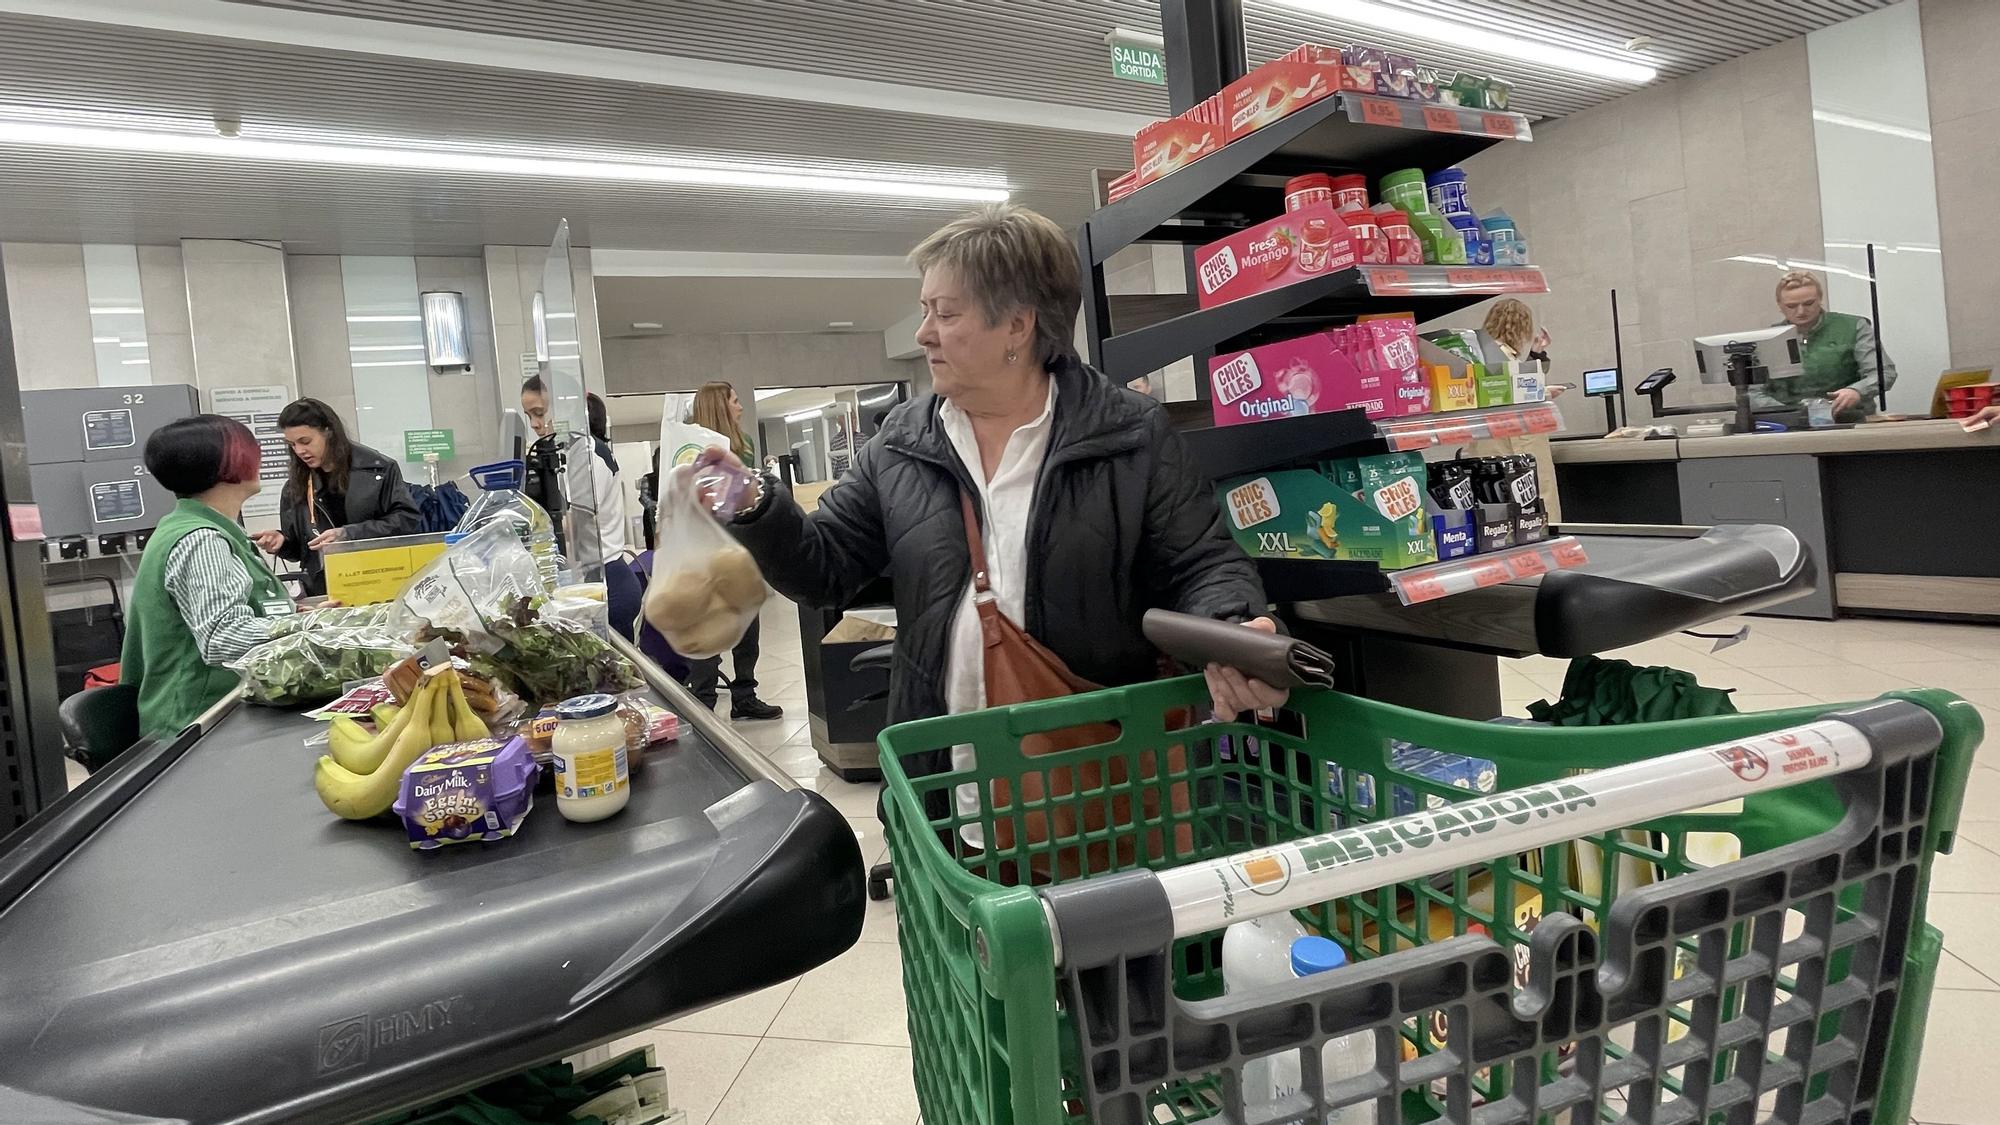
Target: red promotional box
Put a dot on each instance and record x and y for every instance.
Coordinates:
(1290, 248)
(1293, 80)
(1168, 146)
(1313, 374)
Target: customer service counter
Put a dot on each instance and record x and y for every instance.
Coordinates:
(190, 936)
(1898, 514)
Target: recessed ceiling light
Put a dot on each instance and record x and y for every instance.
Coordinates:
(486, 161)
(840, 324)
(647, 324)
(1465, 36)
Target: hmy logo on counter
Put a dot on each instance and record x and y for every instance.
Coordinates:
(345, 1044)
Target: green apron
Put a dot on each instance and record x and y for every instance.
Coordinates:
(160, 654)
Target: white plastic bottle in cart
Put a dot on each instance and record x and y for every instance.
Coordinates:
(1257, 952)
(1349, 1055)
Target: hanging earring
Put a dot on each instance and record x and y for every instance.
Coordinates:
(1010, 357)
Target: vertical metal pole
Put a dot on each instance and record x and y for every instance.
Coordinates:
(1875, 315)
(1096, 302)
(1616, 403)
(31, 761)
(1204, 50)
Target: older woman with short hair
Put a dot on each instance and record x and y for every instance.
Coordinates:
(1089, 511)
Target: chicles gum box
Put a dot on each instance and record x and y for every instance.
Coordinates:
(1309, 374)
(1301, 244)
(1292, 81)
(1170, 145)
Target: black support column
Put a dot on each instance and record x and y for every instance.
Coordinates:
(1204, 49)
(31, 761)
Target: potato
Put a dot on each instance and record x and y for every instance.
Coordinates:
(677, 601)
(713, 635)
(737, 578)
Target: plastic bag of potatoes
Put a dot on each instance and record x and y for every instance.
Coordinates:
(706, 588)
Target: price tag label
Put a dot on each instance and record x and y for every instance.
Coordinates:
(1544, 419)
(1381, 111)
(1497, 280)
(1506, 425)
(1389, 283)
(1499, 125)
(1457, 433)
(1569, 552)
(1402, 441)
(1420, 588)
(1439, 119)
(1527, 564)
(1489, 572)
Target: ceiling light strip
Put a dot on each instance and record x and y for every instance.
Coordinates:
(475, 164)
(1477, 40)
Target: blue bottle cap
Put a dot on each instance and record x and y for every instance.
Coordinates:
(1316, 955)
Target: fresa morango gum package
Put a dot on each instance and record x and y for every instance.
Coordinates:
(1293, 247)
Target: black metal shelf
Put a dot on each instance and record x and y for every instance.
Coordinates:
(1224, 452)
(1244, 182)
(1308, 580)
(1290, 311)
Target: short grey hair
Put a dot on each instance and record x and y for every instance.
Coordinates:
(1011, 258)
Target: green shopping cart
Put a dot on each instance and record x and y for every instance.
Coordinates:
(1706, 921)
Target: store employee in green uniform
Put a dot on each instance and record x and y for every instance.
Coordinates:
(1838, 352)
(203, 595)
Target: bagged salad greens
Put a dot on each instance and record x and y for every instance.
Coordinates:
(312, 657)
(546, 658)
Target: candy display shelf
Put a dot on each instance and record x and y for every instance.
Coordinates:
(1462, 426)
(1427, 291)
(1244, 182)
(1224, 452)
(1475, 572)
(1309, 580)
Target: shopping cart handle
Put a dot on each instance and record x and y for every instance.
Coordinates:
(1206, 896)
(1197, 641)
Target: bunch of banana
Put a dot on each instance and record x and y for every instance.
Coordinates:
(360, 777)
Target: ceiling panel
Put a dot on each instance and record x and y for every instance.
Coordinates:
(1053, 50)
(1048, 51)
(290, 93)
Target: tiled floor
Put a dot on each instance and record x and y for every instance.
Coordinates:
(833, 1046)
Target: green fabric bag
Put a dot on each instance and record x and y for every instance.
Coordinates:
(1601, 693)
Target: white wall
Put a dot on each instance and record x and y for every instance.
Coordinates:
(465, 402)
(1877, 183)
(1959, 36)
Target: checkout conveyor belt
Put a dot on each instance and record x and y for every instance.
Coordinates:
(1640, 582)
(192, 936)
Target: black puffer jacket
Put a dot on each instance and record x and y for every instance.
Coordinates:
(1121, 523)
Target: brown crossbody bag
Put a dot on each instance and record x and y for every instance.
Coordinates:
(1020, 669)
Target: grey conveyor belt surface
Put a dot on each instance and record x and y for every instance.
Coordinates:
(1638, 583)
(224, 949)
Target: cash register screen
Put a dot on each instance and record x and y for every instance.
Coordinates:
(1599, 383)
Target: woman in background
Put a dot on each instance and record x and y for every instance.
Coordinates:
(337, 490)
(203, 596)
(622, 589)
(1512, 325)
(717, 408)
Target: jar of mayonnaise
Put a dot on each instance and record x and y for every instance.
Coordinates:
(592, 780)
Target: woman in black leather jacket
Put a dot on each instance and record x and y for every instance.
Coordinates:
(337, 490)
